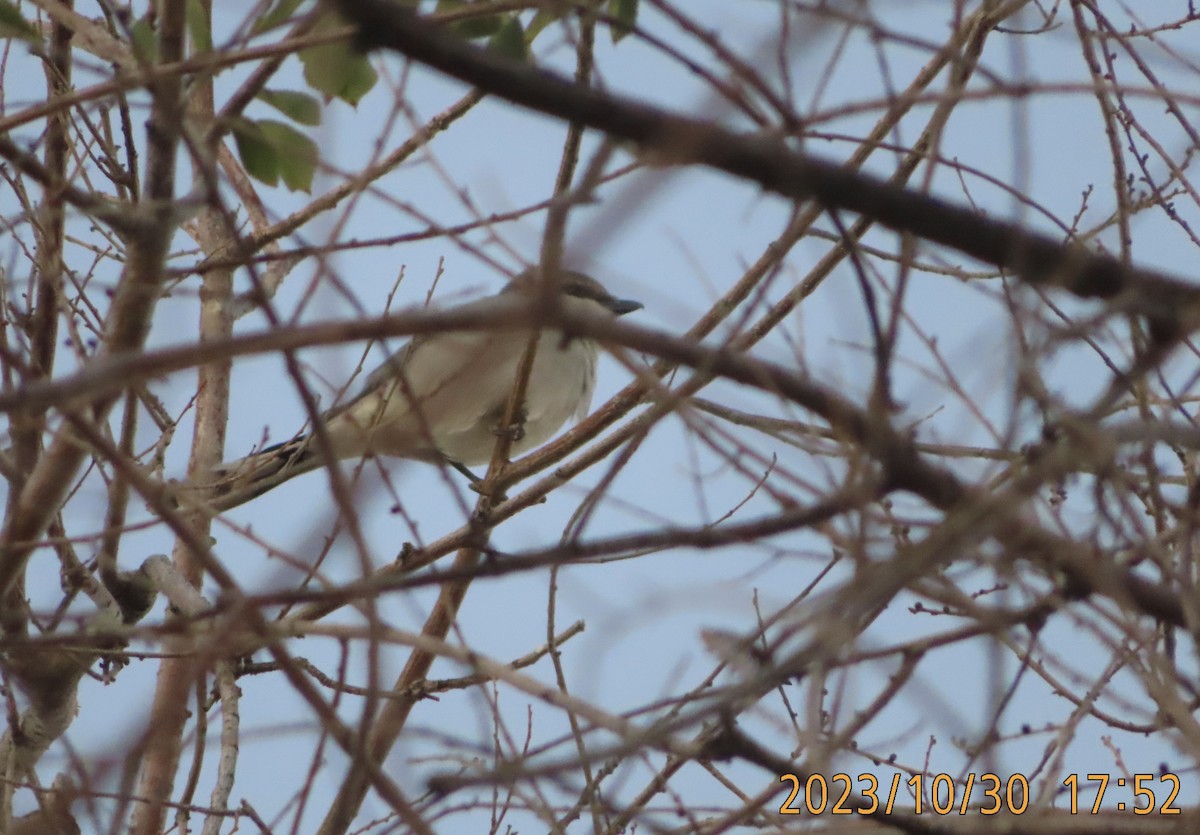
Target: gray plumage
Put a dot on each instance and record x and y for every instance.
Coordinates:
(441, 398)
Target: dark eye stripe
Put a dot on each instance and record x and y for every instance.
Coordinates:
(583, 288)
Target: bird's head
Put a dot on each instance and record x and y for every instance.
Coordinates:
(575, 285)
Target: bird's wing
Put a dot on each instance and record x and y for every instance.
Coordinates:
(378, 379)
(460, 378)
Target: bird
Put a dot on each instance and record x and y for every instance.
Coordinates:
(442, 397)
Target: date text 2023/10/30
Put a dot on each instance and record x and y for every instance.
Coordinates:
(941, 794)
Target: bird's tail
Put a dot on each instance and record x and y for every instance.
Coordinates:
(247, 478)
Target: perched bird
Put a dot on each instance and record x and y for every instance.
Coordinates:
(442, 397)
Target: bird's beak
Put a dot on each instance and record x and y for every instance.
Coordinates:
(620, 307)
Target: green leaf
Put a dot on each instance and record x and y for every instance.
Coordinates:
(13, 25)
(271, 150)
(624, 15)
(544, 17)
(256, 152)
(509, 40)
(274, 16)
(199, 27)
(472, 28)
(337, 70)
(297, 106)
(297, 154)
(144, 40)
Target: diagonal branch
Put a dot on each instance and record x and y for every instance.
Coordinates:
(670, 138)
